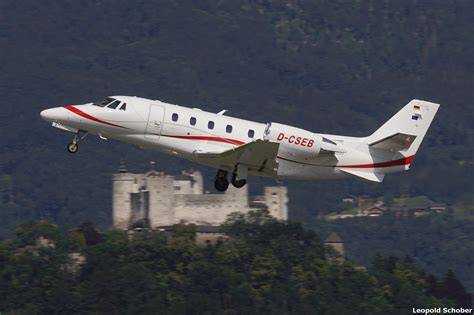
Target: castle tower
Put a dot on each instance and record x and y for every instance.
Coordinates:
(122, 186)
(335, 242)
(198, 186)
(161, 198)
(276, 200)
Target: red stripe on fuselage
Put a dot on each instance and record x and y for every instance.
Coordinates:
(402, 161)
(203, 138)
(85, 115)
(207, 138)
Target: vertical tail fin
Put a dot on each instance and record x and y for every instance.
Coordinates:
(406, 129)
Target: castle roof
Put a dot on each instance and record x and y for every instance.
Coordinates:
(153, 173)
(333, 238)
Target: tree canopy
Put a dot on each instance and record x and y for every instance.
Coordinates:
(265, 266)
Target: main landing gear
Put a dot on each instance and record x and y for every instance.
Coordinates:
(73, 147)
(238, 183)
(221, 183)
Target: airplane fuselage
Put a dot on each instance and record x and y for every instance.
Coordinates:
(209, 138)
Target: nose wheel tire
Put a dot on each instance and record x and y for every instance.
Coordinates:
(238, 183)
(72, 147)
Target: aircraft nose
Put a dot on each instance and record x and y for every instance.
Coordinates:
(54, 114)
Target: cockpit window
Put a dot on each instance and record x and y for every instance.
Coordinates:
(114, 104)
(124, 106)
(103, 103)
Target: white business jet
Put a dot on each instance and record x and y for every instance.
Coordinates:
(243, 147)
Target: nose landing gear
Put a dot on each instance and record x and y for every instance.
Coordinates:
(73, 147)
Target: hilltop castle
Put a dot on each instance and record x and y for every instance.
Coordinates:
(155, 199)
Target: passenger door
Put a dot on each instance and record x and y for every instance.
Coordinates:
(155, 122)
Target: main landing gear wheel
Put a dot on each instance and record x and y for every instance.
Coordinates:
(220, 182)
(72, 147)
(238, 183)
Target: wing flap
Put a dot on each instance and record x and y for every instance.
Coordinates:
(259, 156)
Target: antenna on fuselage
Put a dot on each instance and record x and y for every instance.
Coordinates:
(222, 112)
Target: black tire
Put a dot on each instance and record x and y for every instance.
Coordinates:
(221, 184)
(72, 147)
(238, 183)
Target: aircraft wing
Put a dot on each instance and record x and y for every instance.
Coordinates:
(395, 142)
(259, 156)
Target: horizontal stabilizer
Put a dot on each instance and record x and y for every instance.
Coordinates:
(395, 142)
(365, 175)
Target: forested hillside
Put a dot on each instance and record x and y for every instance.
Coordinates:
(264, 267)
(435, 242)
(328, 66)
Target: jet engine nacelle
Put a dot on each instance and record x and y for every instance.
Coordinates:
(295, 143)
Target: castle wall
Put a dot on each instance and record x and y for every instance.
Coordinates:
(210, 209)
(166, 200)
(183, 187)
(198, 187)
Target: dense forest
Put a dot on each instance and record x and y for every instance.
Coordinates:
(266, 266)
(436, 242)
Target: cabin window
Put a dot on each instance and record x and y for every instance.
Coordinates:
(228, 129)
(174, 117)
(114, 104)
(192, 121)
(251, 133)
(124, 106)
(210, 124)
